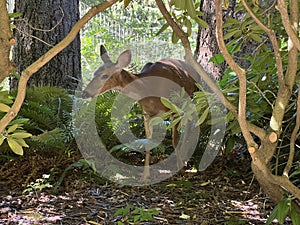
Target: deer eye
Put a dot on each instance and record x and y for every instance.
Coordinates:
(104, 77)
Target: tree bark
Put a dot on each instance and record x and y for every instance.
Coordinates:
(207, 43)
(6, 42)
(44, 24)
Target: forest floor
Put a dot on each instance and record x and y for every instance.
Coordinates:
(226, 193)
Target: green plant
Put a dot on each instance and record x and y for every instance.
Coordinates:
(39, 184)
(282, 211)
(50, 120)
(14, 133)
(135, 214)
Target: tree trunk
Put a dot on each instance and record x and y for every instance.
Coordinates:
(207, 45)
(42, 25)
(206, 41)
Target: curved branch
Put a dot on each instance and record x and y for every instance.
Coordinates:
(292, 32)
(242, 79)
(34, 67)
(176, 28)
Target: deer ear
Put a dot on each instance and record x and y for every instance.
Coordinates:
(124, 59)
(104, 55)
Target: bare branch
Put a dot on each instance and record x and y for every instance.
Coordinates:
(26, 74)
(290, 29)
(44, 30)
(29, 35)
(241, 75)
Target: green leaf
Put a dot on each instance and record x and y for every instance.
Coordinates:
(174, 123)
(136, 218)
(175, 38)
(190, 7)
(12, 128)
(256, 37)
(179, 4)
(283, 209)
(15, 146)
(295, 216)
(21, 142)
(169, 104)
(2, 138)
(187, 23)
(19, 121)
(14, 15)
(4, 108)
(201, 22)
(119, 212)
(295, 173)
(231, 21)
(272, 215)
(162, 29)
(231, 33)
(21, 135)
(217, 59)
(202, 117)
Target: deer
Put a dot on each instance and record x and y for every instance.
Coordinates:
(113, 76)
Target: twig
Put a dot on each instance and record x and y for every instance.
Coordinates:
(262, 94)
(44, 30)
(32, 36)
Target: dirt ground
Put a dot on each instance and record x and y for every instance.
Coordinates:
(226, 193)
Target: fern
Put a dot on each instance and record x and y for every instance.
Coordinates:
(49, 110)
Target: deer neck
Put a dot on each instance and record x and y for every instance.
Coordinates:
(129, 84)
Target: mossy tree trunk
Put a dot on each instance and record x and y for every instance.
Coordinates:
(42, 25)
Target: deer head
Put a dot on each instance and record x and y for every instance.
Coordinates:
(105, 77)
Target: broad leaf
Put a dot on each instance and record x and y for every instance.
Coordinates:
(295, 216)
(21, 135)
(283, 209)
(203, 117)
(12, 128)
(272, 216)
(4, 108)
(15, 146)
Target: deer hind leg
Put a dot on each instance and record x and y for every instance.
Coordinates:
(148, 132)
(175, 137)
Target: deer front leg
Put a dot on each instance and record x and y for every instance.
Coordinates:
(148, 132)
